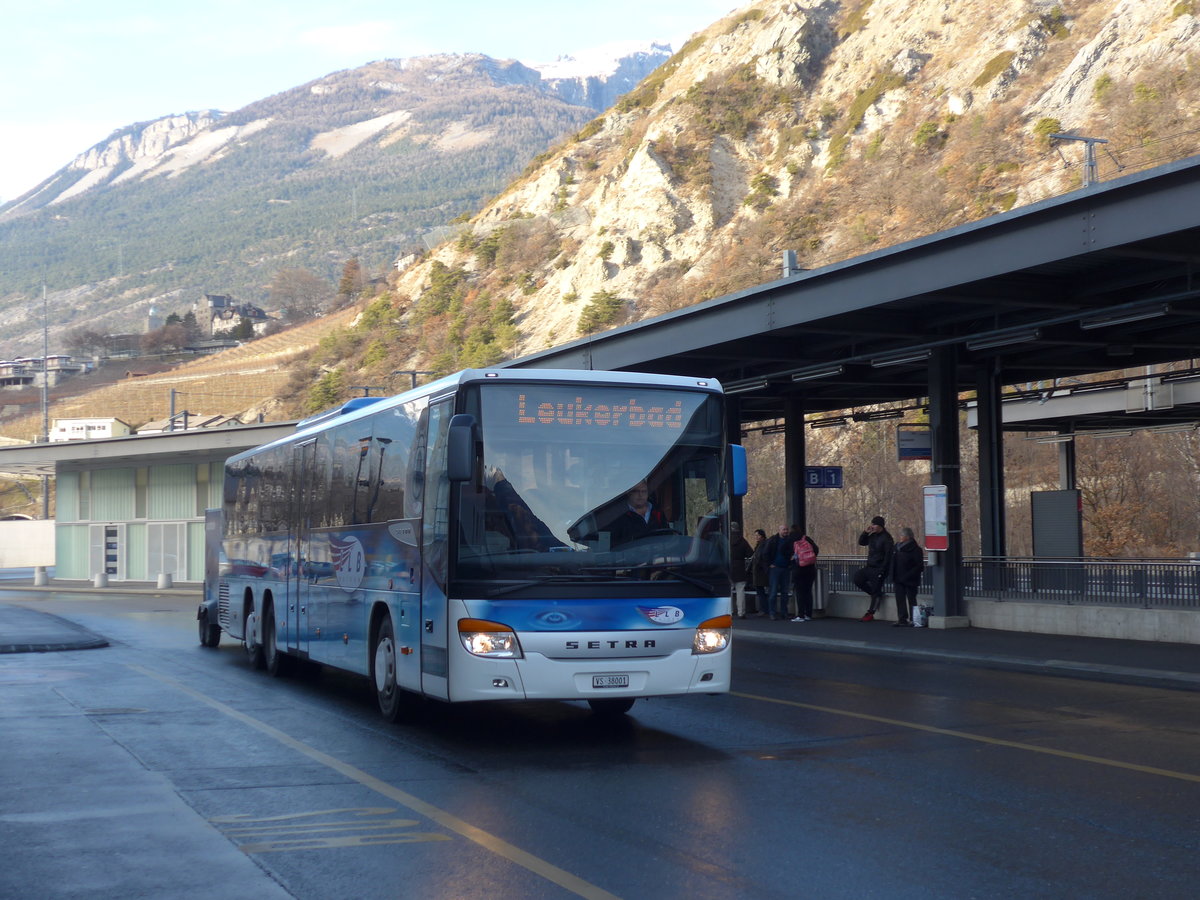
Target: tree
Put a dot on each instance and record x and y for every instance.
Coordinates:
(351, 284)
(192, 327)
(164, 340)
(86, 341)
(244, 330)
(300, 294)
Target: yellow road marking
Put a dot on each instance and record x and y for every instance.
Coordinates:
(979, 738)
(487, 841)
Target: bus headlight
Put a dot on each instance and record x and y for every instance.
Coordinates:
(490, 639)
(713, 635)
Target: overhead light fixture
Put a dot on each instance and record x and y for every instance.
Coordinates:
(1123, 317)
(1108, 434)
(1087, 387)
(818, 372)
(1054, 439)
(829, 422)
(745, 387)
(876, 415)
(1004, 339)
(1177, 428)
(1181, 375)
(901, 358)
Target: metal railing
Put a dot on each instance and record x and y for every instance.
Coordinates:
(1140, 583)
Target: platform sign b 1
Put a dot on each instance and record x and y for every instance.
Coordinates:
(937, 526)
(823, 476)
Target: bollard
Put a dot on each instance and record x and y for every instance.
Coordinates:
(100, 579)
(164, 580)
(40, 578)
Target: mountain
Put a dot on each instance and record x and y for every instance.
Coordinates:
(361, 163)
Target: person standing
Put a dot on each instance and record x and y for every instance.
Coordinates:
(758, 572)
(804, 575)
(779, 561)
(870, 577)
(740, 552)
(908, 561)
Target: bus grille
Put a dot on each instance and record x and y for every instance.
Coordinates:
(223, 603)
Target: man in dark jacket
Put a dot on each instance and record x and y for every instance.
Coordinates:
(908, 562)
(779, 564)
(869, 578)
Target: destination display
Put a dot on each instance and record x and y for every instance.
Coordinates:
(601, 411)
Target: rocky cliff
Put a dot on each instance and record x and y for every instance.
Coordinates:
(829, 128)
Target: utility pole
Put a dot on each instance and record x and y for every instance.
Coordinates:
(45, 398)
(413, 372)
(1089, 155)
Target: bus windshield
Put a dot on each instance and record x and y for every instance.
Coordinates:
(595, 484)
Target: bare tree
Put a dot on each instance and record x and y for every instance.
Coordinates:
(300, 294)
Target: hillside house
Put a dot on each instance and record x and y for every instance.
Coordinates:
(31, 371)
(184, 421)
(220, 314)
(88, 429)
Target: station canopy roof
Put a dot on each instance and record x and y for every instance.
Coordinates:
(1103, 279)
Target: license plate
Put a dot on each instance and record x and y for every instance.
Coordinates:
(610, 681)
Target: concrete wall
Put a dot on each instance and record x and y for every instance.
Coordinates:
(26, 543)
(1181, 626)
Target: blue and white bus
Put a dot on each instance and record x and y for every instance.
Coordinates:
(495, 535)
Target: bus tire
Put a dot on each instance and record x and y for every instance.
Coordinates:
(254, 651)
(388, 693)
(210, 633)
(276, 663)
(611, 707)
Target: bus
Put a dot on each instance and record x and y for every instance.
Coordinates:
(497, 534)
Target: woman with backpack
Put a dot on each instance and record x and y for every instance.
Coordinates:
(804, 575)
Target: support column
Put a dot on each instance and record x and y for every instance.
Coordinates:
(1066, 465)
(794, 461)
(943, 420)
(993, 541)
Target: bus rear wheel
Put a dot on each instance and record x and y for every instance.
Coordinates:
(254, 651)
(275, 662)
(611, 707)
(388, 693)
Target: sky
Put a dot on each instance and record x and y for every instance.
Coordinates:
(74, 71)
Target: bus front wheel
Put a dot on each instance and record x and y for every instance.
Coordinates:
(210, 632)
(388, 693)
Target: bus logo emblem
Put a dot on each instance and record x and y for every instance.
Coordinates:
(349, 562)
(662, 615)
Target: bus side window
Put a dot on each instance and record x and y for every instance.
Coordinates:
(395, 433)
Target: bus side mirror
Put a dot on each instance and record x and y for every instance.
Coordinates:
(460, 448)
(738, 484)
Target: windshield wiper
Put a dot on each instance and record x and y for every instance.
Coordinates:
(534, 582)
(705, 586)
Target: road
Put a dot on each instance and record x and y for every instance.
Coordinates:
(157, 768)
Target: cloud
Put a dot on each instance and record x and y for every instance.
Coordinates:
(35, 151)
(367, 40)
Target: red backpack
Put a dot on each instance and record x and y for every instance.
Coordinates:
(803, 550)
